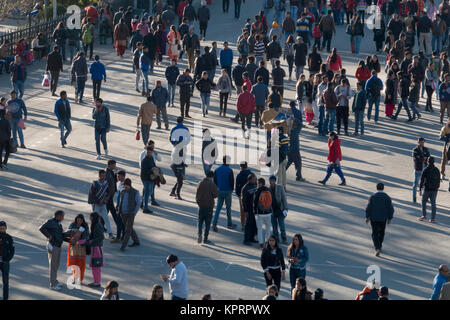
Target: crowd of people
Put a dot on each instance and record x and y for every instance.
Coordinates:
(294, 31)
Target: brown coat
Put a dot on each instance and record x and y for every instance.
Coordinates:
(206, 193)
(146, 112)
(327, 23)
(121, 32)
(442, 28)
(329, 99)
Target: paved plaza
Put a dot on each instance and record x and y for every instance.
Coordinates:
(45, 178)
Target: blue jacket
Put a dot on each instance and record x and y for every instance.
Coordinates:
(369, 83)
(241, 180)
(172, 138)
(294, 139)
(302, 255)
(102, 120)
(438, 282)
(144, 62)
(160, 97)
(172, 73)
(224, 179)
(62, 111)
(17, 108)
(226, 57)
(97, 70)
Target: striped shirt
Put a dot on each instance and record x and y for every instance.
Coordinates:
(302, 25)
(259, 49)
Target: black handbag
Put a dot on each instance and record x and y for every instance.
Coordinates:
(97, 262)
(12, 146)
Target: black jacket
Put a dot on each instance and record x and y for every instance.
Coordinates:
(147, 164)
(7, 248)
(52, 228)
(404, 87)
(268, 259)
(204, 85)
(264, 73)
(424, 24)
(278, 75)
(430, 179)
(315, 61)
(380, 208)
(54, 62)
(112, 182)
(301, 51)
(185, 89)
(191, 42)
(273, 50)
(251, 69)
(150, 41)
(209, 61)
(419, 157)
(390, 90)
(172, 73)
(5, 130)
(237, 74)
(248, 192)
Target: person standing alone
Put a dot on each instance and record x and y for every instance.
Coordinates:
(63, 114)
(378, 211)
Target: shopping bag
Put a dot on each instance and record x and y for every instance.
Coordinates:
(21, 124)
(138, 135)
(45, 81)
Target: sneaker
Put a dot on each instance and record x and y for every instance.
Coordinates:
(147, 211)
(214, 228)
(284, 241)
(232, 227)
(134, 244)
(442, 177)
(432, 221)
(206, 241)
(178, 197)
(261, 246)
(253, 241)
(199, 239)
(98, 157)
(355, 134)
(300, 179)
(422, 218)
(322, 182)
(106, 152)
(158, 128)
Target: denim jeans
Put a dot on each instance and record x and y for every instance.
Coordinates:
(211, 74)
(100, 134)
(321, 118)
(103, 212)
(224, 196)
(15, 128)
(371, 101)
(417, 175)
(171, 88)
(18, 87)
(205, 102)
(359, 121)
(436, 43)
(295, 273)
(432, 195)
(4, 268)
(357, 40)
(144, 81)
(278, 220)
(330, 117)
(207, 168)
(81, 82)
(148, 190)
(294, 10)
(414, 110)
(403, 103)
(298, 71)
(204, 217)
(64, 123)
(337, 169)
(145, 131)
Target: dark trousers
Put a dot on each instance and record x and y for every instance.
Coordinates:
(342, 116)
(379, 45)
(203, 27)
(296, 159)
(117, 219)
(96, 86)
(327, 35)
(100, 134)
(225, 5)
(246, 119)
(4, 145)
(4, 267)
(295, 273)
(128, 222)
(430, 91)
(223, 102)
(91, 49)
(378, 228)
(276, 278)
(185, 101)
(81, 82)
(250, 228)
(432, 195)
(177, 187)
(204, 216)
(228, 68)
(258, 112)
(54, 77)
(237, 9)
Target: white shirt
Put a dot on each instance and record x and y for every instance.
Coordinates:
(178, 281)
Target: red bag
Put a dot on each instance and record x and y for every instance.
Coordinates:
(138, 135)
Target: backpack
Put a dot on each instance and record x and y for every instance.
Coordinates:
(87, 35)
(265, 202)
(269, 4)
(375, 89)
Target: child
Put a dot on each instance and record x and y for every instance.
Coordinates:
(111, 291)
(272, 293)
(317, 35)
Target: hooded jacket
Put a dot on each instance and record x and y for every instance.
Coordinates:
(246, 103)
(334, 152)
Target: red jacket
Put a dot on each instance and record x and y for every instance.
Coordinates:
(337, 65)
(248, 84)
(335, 150)
(246, 103)
(362, 73)
(180, 9)
(92, 13)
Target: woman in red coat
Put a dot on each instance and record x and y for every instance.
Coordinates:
(362, 73)
(334, 158)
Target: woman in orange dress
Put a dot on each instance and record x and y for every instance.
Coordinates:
(76, 255)
(174, 40)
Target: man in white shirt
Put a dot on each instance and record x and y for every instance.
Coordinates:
(178, 279)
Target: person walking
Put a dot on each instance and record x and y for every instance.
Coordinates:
(18, 74)
(206, 193)
(431, 82)
(179, 134)
(172, 72)
(262, 207)
(121, 34)
(404, 94)
(224, 180)
(6, 255)
(145, 118)
(203, 16)
(102, 125)
(283, 152)
(439, 280)
(272, 262)
(79, 72)
(261, 93)
(147, 164)
(209, 151)
(129, 204)
(424, 27)
(204, 85)
(358, 107)
(373, 88)
(444, 98)
(225, 87)
(246, 106)
(326, 25)
(96, 243)
(98, 73)
(241, 180)
(301, 52)
(343, 93)
(87, 36)
(55, 66)
(445, 137)
(191, 43)
(5, 136)
(298, 256)
(178, 278)
(98, 198)
(160, 97)
(334, 158)
(53, 231)
(19, 114)
(279, 209)
(431, 181)
(111, 177)
(379, 210)
(63, 114)
(226, 57)
(247, 194)
(136, 67)
(420, 156)
(294, 155)
(60, 37)
(185, 82)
